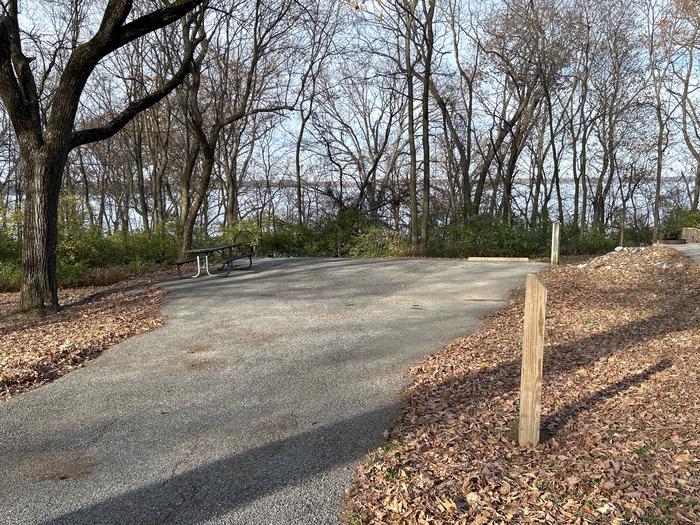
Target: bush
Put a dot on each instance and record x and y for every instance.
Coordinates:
(77, 276)
(10, 275)
(230, 233)
(638, 236)
(160, 248)
(87, 256)
(287, 240)
(347, 234)
(678, 218)
(9, 246)
(485, 236)
(379, 242)
(592, 242)
(10, 269)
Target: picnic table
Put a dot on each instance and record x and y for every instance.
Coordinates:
(229, 253)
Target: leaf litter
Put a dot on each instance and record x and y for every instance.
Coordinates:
(620, 432)
(36, 351)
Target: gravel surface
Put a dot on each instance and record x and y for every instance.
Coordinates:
(252, 405)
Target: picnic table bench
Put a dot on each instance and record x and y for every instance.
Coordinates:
(241, 248)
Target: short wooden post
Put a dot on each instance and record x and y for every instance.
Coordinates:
(531, 371)
(555, 243)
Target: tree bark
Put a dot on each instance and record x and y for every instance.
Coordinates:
(42, 171)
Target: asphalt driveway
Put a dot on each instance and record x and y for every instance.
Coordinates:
(251, 406)
(691, 250)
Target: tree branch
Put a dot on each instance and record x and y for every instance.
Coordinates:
(152, 21)
(17, 86)
(110, 37)
(95, 134)
(238, 115)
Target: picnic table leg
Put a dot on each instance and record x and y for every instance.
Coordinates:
(206, 264)
(199, 269)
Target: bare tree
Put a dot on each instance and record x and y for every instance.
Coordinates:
(45, 142)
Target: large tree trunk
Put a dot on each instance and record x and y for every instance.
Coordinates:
(232, 173)
(190, 214)
(42, 173)
(187, 218)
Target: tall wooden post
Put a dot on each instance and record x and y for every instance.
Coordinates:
(531, 371)
(556, 226)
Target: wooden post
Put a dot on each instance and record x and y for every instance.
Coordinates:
(555, 243)
(531, 371)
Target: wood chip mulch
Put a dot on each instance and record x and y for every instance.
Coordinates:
(35, 351)
(621, 410)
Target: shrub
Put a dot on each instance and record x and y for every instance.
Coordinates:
(87, 256)
(9, 247)
(591, 242)
(229, 233)
(10, 275)
(78, 276)
(160, 248)
(678, 218)
(10, 269)
(638, 236)
(379, 242)
(487, 236)
(287, 239)
(335, 236)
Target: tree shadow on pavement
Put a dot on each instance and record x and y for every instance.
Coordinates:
(219, 487)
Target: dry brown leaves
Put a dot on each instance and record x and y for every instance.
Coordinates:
(621, 410)
(33, 352)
